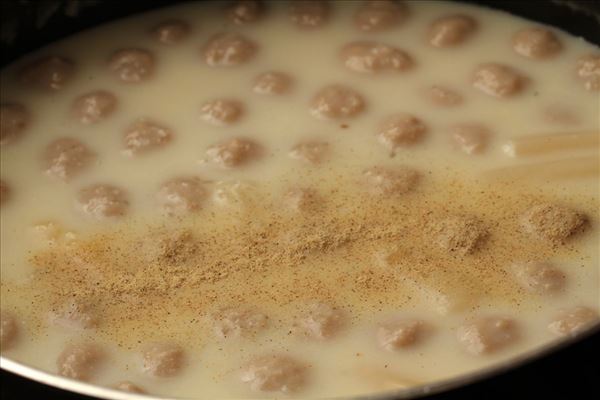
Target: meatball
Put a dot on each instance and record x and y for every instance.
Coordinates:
(460, 234)
(9, 330)
(75, 315)
(443, 97)
(573, 321)
(93, 107)
(66, 158)
(242, 12)
(322, 321)
(309, 14)
(560, 115)
(487, 334)
(14, 119)
(182, 195)
(588, 71)
(234, 322)
(222, 111)
(103, 201)
(48, 73)
(234, 152)
(498, 80)
(274, 373)
(126, 386)
(396, 335)
(301, 199)
(132, 65)
(163, 359)
(451, 30)
(539, 277)
(401, 130)
(272, 83)
(336, 102)
(553, 223)
(228, 50)
(171, 32)
(79, 361)
(4, 192)
(373, 57)
(53, 232)
(235, 194)
(470, 138)
(311, 152)
(536, 43)
(379, 15)
(388, 182)
(145, 136)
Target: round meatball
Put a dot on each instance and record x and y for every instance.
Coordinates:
(272, 83)
(228, 50)
(235, 322)
(4, 192)
(14, 119)
(560, 114)
(470, 138)
(573, 321)
(387, 181)
(301, 199)
(373, 57)
(401, 130)
(145, 136)
(536, 43)
(553, 223)
(539, 277)
(588, 71)
(241, 12)
(274, 373)
(93, 107)
(132, 65)
(235, 194)
(322, 321)
(48, 73)
(451, 30)
(9, 330)
(498, 80)
(336, 102)
(379, 15)
(443, 97)
(487, 334)
(460, 234)
(171, 32)
(182, 195)
(126, 386)
(163, 359)
(79, 361)
(75, 315)
(234, 152)
(309, 14)
(221, 111)
(312, 152)
(400, 334)
(66, 158)
(103, 201)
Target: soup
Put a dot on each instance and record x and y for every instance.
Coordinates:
(312, 199)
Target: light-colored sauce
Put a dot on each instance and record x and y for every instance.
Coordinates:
(368, 255)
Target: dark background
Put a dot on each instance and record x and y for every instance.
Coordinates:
(571, 373)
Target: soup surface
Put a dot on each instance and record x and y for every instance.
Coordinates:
(305, 199)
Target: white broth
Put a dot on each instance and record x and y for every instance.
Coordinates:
(311, 199)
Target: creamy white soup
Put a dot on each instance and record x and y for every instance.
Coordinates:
(302, 199)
